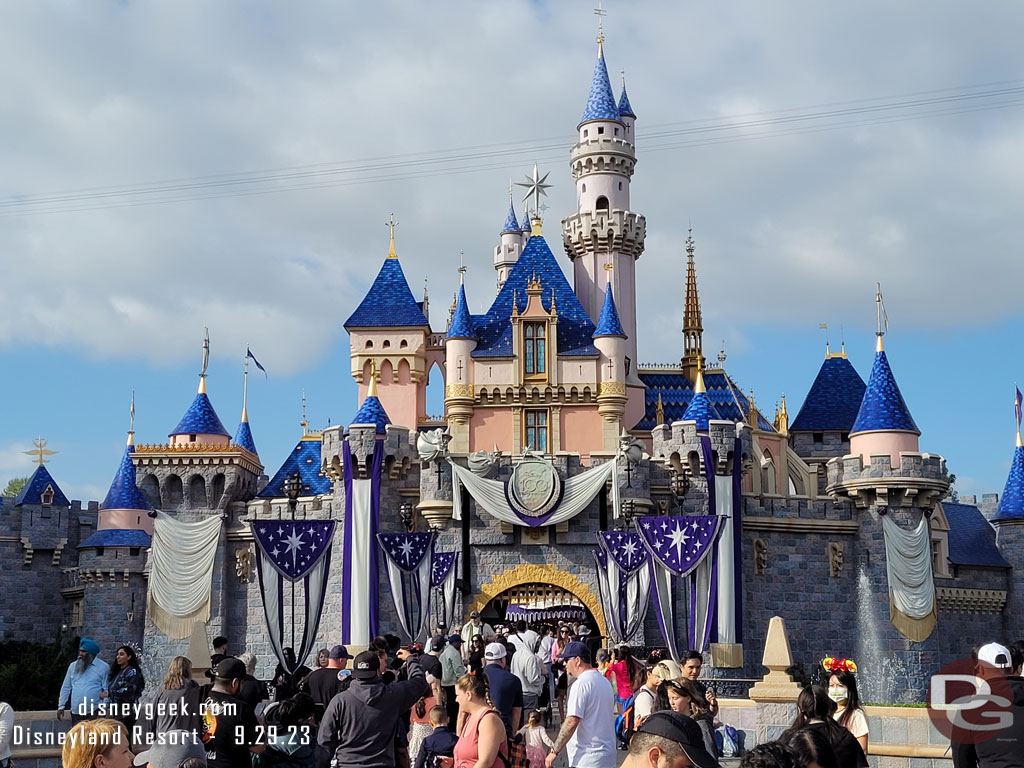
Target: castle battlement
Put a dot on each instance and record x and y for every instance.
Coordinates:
(399, 451)
(678, 445)
(919, 479)
(603, 230)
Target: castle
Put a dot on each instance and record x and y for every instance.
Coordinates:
(551, 369)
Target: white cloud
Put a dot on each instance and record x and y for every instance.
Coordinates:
(805, 222)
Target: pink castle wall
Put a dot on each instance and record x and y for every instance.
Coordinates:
(489, 427)
(581, 430)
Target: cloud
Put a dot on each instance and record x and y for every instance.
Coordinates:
(792, 229)
(14, 462)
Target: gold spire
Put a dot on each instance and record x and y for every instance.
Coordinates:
(515, 304)
(245, 391)
(879, 346)
(392, 254)
(659, 413)
(600, 13)
(699, 385)
(372, 389)
(783, 427)
(751, 410)
(608, 273)
(693, 329)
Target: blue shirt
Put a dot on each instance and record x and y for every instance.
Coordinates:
(506, 692)
(83, 689)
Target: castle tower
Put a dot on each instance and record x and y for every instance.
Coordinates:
(610, 340)
(700, 410)
(390, 332)
(243, 435)
(604, 229)
(693, 328)
(459, 344)
(507, 253)
(883, 424)
(1009, 525)
(125, 506)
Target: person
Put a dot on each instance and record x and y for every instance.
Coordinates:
(220, 651)
(431, 663)
(842, 689)
(124, 687)
(359, 725)
(562, 639)
(587, 735)
(323, 656)
(441, 741)
(526, 667)
(229, 729)
(285, 683)
(84, 683)
(812, 749)
(176, 702)
(681, 696)
(476, 655)
(6, 733)
(97, 743)
(1004, 748)
(483, 740)
(522, 635)
(290, 741)
(420, 726)
(643, 703)
(173, 750)
(693, 661)
(814, 711)
(544, 656)
(452, 668)
(253, 691)
(324, 684)
(624, 668)
(671, 740)
(535, 739)
(772, 754)
(506, 691)
(475, 626)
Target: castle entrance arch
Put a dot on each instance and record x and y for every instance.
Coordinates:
(538, 590)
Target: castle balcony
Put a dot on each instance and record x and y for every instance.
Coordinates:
(602, 155)
(678, 446)
(399, 452)
(919, 480)
(165, 454)
(604, 231)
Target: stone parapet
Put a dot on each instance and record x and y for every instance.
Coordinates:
(919, 480)
(678, 444)
(604, 231)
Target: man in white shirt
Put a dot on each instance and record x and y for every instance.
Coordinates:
(588, 733)
(521, 635)
(527, 668)
(474, 627)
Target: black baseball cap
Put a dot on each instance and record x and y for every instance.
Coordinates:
(229, 669)
(438, 643)
(575, 649)
(339, 652)
(684, 731)
(366, 666)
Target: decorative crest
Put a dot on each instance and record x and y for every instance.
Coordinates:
(40, 451)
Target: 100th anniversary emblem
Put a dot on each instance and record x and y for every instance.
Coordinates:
(534, 488)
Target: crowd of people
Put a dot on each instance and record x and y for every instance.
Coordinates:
(477, 698)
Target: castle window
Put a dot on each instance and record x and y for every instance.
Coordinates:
(537, 430)
(584, 187)
(818, 437)
(77, 614)
(535, 348)
(600, 130)
(585, 133)
(133, 551)
(616, 131)
(845, 437)
(387, 344)
(620, 186)
(602, 203)
(48, 496)
(369, 344)
(403, 344)
(99, 551)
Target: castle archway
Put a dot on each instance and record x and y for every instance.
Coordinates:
(547, 582)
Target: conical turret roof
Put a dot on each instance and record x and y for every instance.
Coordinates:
(608, 323)
(601, 101)
(700, 409)
(1011, 503)
(200, 418)
(883, 407)
(124, 493)
(243, 437)
(36, 486)
(833, 400)
(389, 302)
(624, 107)
(511, 222)
(462, 322)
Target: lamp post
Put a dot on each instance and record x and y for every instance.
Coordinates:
(680, 483)
(405, 513)
(628, 507)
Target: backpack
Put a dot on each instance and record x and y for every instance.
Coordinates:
(624, 723)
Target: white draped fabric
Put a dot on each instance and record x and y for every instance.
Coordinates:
(726, 610)
(181, 572)
(908, 564)
(362, 540)
(602, 561)
(638, 590)
(578, 492)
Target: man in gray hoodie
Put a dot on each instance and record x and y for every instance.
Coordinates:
(358, 728)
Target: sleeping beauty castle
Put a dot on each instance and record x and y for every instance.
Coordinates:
(566, 480)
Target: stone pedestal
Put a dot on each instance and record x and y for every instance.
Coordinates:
(436, 512)
(775, 696)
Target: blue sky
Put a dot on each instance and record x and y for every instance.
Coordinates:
(175, 166)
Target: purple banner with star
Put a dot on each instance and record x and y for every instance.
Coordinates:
(410, 561)
(624, 581)
(294, 551)
(679, 544)
(443, 575)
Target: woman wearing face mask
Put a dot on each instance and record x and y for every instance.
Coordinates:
(842, 689)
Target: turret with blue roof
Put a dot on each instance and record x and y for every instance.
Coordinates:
(462, 322)
(125, 515)
(306, 459)
(601, 101)
(1011, 503)
(389, 303)
(371, 412)
(42, 489)
(608, 323)
(625, 108)
(243, 435)
(834, 399)
(511, 222)
(700, 409)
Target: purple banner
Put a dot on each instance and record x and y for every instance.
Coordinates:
(443, 562)
(679, 543)
(406, 550)
(293, 547)
(626, 548)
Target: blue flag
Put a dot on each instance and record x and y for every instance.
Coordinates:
(249, 354)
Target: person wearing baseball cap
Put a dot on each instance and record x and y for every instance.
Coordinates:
(1002, 748)
(84, 681)
(229, 730)
(506, 689)
(475, 626)
(324, 684)
(585, 733)
(669, 740)
(358, 727)
(171, 749)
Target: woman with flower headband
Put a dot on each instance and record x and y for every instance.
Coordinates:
(842, 689)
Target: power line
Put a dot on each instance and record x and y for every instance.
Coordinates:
(505, 155)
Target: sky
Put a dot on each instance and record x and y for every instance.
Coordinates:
(174, 166)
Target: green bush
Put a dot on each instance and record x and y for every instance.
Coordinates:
(31, 673)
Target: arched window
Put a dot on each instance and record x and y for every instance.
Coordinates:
(386, 344)
(173, 492)
(197, 492)
(151, 489)
(534, 346)
(602, 203)
(404, 344)
(768, 484)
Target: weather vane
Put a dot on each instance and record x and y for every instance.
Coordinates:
(535, 187)
(40, 452)
(600, 13)
(462, 264)
(883, 319)
(206, 352)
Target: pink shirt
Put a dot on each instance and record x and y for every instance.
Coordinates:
(622, 681)
(466, 748)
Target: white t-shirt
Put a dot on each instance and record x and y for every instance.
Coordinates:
(858, 724)
(593, 743)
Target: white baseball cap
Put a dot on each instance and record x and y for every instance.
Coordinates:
(995, 654)
(495, 651)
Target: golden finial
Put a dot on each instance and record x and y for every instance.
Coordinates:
(372, 389)
(533, 285)
(515, 304)
(659, 413)
(698, 386)
(783, 427)
(600, 13)
(131, 421)
(552, 301)
(824, 327)
(206, 362)
(40, 452)
(392, 254)
(608, 272)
